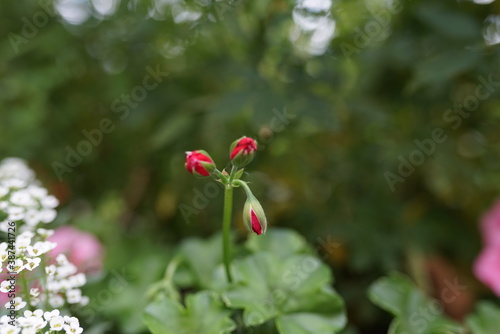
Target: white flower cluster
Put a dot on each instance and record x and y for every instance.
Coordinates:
(22, 198)
(36, 321)
(52, 284)
(62, 280)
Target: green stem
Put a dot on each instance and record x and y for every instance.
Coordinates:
(26, 289)
(231, 176)
(245, 186)
(226, 229)
(223, 178)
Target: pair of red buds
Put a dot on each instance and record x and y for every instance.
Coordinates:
(241, 153)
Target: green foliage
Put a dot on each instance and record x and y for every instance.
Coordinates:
(203, 314)
(415, 313)
(486, 320)
(236, 70)
(290, 288)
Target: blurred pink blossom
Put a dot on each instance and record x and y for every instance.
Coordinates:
(81, 248)
(490, 225)
(487, 265)
(487, 268)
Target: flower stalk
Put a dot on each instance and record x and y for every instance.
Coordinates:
(241, 153)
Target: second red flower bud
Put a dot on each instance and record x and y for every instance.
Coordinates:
(242, 151)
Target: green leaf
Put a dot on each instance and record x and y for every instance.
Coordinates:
(280, 242)
(269, 287)
(486, 320)
(204, 313)
(306, 323)
(201, 257)
(239, 173)
(414, 312)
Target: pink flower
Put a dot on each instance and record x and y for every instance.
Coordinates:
(81, 248)
(487, 265)
(487, 268)
(490, 225)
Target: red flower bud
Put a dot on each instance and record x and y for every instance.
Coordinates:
(242, 151)
(254, 216)
(199, 163)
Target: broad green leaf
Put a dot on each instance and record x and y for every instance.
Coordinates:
(280, 242)
(307, 323)
(414, 312)
(202, 257)
(204, 313)
(268, 287)
(486, 320)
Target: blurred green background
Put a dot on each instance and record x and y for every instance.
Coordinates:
(336, 93)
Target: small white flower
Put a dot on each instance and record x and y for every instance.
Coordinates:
(66, 270)
(17, 267)
(27, 234)
(15, 213)
(17, 302)
(32, 217)
(5, 286)
(34, 301)
(77, 280)
(56, 323)
(9, 329)
(73, 330)
(49, 245)
(38, 313)
(47, 215)
(56, 301)
(22, 243)
(32, 263)
(50, 202)
(62, 259)
(34, 292)
(74, 296)
(50, 270)
(4, 226)
(29, 330)
(4, 319)
(45, 233)
(22, 198)
(3, 255)
(53, 286)
(50, 315)
(15, 183)
(37, 191)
